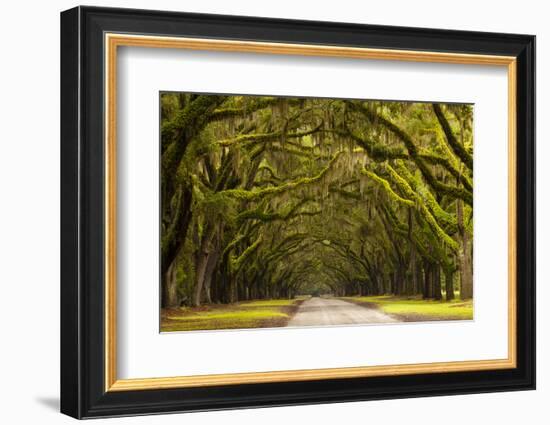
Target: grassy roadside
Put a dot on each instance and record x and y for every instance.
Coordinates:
(409, 309)
(242, 315)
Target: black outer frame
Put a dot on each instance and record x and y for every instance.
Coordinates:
(82, 212)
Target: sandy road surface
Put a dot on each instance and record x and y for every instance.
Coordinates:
(329, 311)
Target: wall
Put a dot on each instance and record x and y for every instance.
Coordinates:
(29, 225)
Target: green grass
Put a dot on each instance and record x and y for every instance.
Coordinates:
(416, 310)
(244, 315)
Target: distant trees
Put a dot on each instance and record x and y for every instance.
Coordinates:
(265, 197)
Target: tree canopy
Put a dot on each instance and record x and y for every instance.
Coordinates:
(269, 197)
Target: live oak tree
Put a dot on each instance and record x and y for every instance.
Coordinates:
(266, 197)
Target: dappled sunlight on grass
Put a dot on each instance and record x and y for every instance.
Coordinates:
(416, 309)
(248, 314)
(231, 315)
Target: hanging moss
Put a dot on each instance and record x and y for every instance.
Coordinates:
(346, 193)
(444, 218)
(388, 188)
(457, 148)
(405, 187)
(236, 263)
(246, 195)
(267, 137)
(414, 154)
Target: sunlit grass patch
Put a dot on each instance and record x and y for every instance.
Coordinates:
(244, 315)
(415, 309)
(233, 315)
(206, 325)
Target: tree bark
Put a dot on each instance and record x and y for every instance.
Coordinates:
(449, 288)
(171, 248)
(466, 275)
(210, 267)
(427, 292)
(170, 287)
(465, 257)
(436, 291)
(199, 277)
(200, 270)
(417, 278)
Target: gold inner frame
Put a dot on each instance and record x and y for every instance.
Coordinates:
(113, 41)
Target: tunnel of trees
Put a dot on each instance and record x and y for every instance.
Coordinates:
(269, 197)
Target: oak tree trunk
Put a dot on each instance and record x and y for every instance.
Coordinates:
(465, 260)
(449, 289)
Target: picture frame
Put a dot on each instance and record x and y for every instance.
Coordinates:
(90, 39)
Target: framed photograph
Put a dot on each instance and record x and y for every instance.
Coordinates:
(261, 212)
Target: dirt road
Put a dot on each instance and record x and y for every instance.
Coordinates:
(329, 311)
